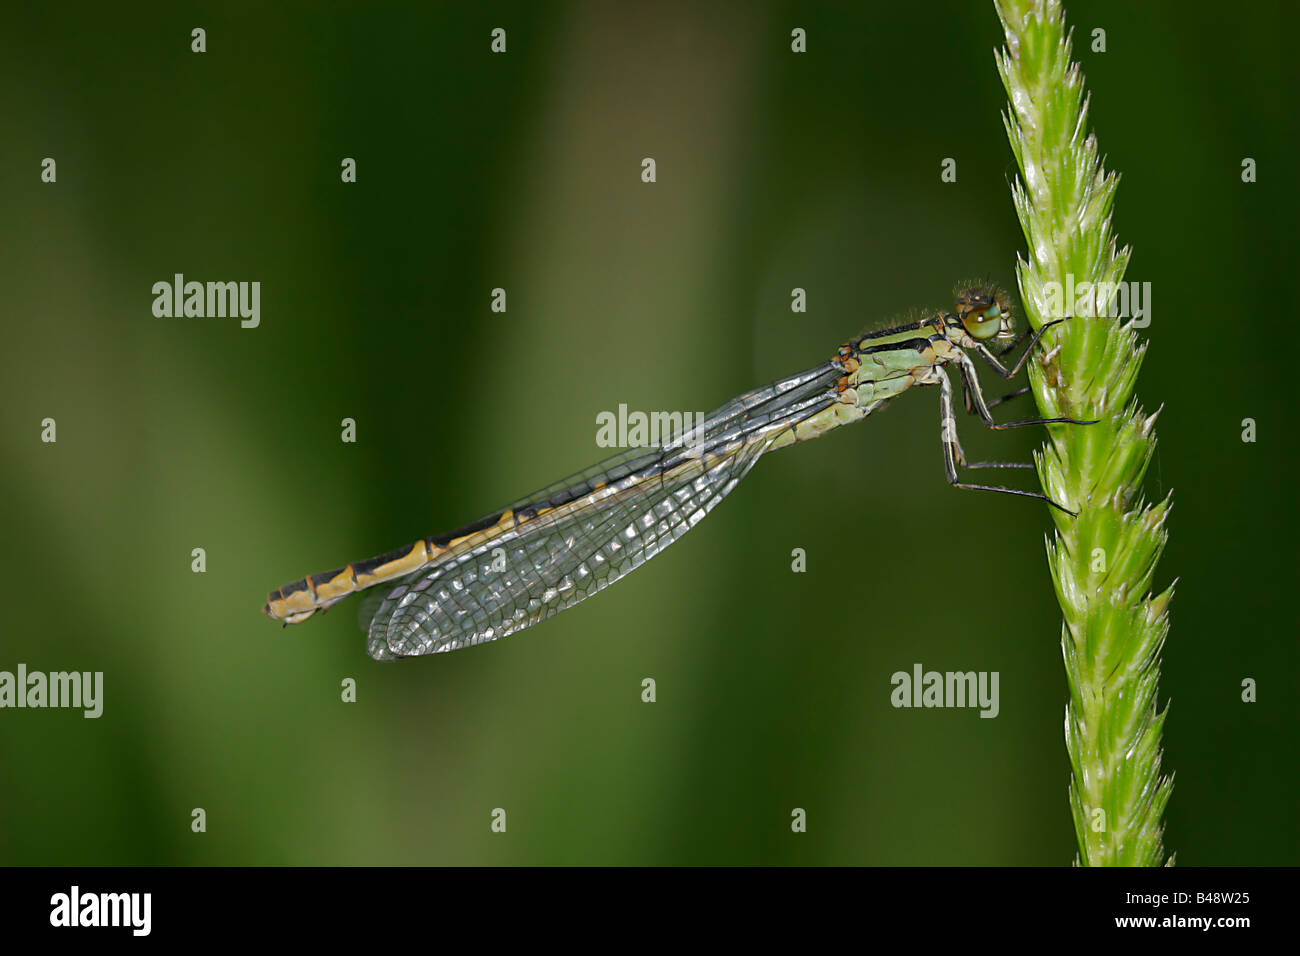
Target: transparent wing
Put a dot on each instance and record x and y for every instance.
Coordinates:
(630, 508)
(554, 565)
(741, 415)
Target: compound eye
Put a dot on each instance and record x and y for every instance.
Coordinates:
(984, 313)
(983, 325)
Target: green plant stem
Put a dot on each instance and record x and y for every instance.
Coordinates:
(1103, 561)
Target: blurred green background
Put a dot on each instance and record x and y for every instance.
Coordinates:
(522, 171)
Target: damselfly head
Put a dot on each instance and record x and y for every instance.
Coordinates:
(985, 312)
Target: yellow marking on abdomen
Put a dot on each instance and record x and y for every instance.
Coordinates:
(413, 560)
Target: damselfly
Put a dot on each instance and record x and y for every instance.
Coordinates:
(548, 551)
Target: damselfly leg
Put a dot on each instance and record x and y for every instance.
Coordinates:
(952, 454)
(1010, 373)
(973, 399)
(1005, 398)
